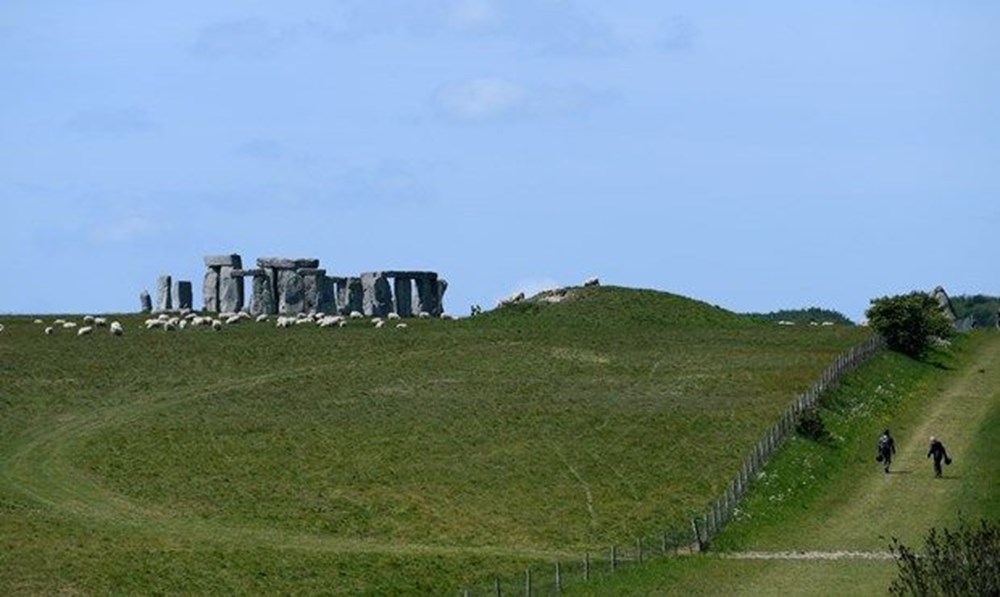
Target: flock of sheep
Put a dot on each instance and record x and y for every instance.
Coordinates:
(190, 319)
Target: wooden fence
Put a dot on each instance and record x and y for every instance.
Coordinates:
(551, 580)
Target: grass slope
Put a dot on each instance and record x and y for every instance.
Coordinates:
(364, 460)
(832, 496)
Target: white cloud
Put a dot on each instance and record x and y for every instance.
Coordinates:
(250, 39)
(489, 99)
(111, 120)
(480, 99)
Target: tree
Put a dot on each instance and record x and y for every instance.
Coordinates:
(962, 562)
(908, 322)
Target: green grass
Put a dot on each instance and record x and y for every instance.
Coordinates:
(832, 496)
(361, 460)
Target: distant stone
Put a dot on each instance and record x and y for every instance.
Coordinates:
(592, 282)
(291, 292)
(145, 303)
(403, 295)
(184, 297)
(231, 290)
(312, 285)
(210, 291)
(377, 294)
(262, 301)
(233, 260)
(285, 263)
(163, 290)
(428, 295)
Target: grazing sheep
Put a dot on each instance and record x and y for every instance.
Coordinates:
(401, 326)
(303, 321)
(183, 324)
(116, 328)
(59, 322)
(233, 319)
(100, 322)
(827, 323)
(244, 315)
(262, 318)
(69, 325)
(163, 317)
(393, 315)
(447, 316)
(153, 323)
(594, 281)
(786, 322)
(423, 315)
(49, 330)
(84, 330)
(284, 322)
(1, 327)
(169, 326)
(379, 323)
(356, 315)
(88, 319)
(376, 320)
(38, 321)
(185, 312)
(216, 324)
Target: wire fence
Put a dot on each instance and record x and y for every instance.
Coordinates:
(554, 578)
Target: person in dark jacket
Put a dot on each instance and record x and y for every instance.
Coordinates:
(939, 453)
(886, 447)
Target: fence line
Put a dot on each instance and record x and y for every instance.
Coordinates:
(704, 527)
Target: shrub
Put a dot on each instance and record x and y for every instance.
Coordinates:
(908, 322)
(961, 562)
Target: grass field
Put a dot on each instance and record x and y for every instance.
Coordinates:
(830, 497)
(362, 460)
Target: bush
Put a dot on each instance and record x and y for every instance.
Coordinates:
(909, 322)
(961, 562)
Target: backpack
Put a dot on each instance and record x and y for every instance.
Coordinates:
(883, 444)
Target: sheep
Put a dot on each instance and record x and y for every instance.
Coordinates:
(153, 323)
(423, 315)
(183, 324)
(233, 319)
(244, 315)
(393, 315)
(593, 281)
(49, 330)
(786, 322)
(217, 324)
(84, 330)
(185, 312)
(356, 315)
(88, 319)
(284, 322)
(190, 315)
(69, 325)
(262, 318)
(401, 326)
(116, 329)
(100, 322)
(1, 327)
(59, 322)
(302, 321)
(379, 323)
(169, 326)
(827, 323)
(38, 321)
(163, 317)
(376, 320)
(447, 316)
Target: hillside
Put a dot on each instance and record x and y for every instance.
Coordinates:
(377, 460)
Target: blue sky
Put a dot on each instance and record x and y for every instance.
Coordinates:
(757, 156)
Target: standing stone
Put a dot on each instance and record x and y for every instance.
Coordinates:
(210, 291)
(350, 295)
(184, 297)
(442, 287)
(163, 301)
(261, 301)
(377, 294)
(327, 300)
(427, 294)
(145, 303)
(403, 292)
(291, 292)
(231, 290)
(312, 286)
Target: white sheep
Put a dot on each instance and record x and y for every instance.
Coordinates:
(88, 319)
(169, 326)
(401, 326)
(38, 321)
(356, 315)
(423, 315)
(84, 330)
(100, 322)
(49, 330)
(183, 324)
(393, 315)
(69, 325)
(116, 329)
(216, 324)
(379, 323)
(447, 316)
(376, 320)
(303, 321)
(163, 317)
(233, 319)
(59, 322)
(284, 322)
(262, 318)
(593, 281)
(1, 327)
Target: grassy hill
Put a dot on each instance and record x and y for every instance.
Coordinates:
(363, 460)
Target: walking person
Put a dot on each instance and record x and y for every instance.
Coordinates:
(939, 453)
(886, 447)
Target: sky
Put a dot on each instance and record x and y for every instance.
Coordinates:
(756, 156)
